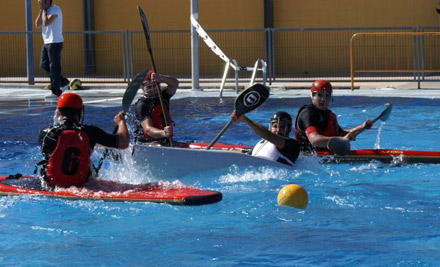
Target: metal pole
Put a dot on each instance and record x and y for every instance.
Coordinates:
(29, 44)
(195, 47)
(438, 12)
(268, 26)
(89, 38)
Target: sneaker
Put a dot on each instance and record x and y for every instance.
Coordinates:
(57, 93)
(64, 84)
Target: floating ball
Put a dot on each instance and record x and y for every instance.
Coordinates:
(75, 84)
(293, 195)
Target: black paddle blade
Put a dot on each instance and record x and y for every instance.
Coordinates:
(386, 113)
(132, 89)
(339, 146)
(251, 98)
(144, 25)
(147, 36)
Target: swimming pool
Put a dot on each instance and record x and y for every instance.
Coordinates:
(358, 214)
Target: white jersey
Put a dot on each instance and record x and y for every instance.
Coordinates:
(53, 33)
(267, 150)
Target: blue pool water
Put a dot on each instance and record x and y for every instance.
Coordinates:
(369, 214)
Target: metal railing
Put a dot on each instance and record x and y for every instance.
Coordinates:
(290, 54)
(395, 52)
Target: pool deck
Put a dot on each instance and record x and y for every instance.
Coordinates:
(113, 92)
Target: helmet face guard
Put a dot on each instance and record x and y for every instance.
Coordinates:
(282, 116)
(322, 89)
(149, 87)
(150, 90)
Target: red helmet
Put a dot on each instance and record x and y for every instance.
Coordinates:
(70, 100)
(148, 77)
(321, 85)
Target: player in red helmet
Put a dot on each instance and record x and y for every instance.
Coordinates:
(68, 144)
(149, 115)
(276, 144)
(316, 124)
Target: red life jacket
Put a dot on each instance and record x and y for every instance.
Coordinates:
(332, 126)
(158, 119)
(70, 161)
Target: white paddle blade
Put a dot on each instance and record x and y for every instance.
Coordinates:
(339, 146)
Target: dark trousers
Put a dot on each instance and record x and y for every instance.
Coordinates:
(50, 63)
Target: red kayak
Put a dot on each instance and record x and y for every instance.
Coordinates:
(160, 192)
(358, 155)
(383, 155)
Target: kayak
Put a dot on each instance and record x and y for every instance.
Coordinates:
(191, 157)
(383, 155)
(357, 155)
(185, 158)
(159, 192)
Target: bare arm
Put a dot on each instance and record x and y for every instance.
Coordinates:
(171, 82)
(47, 20)
(319, 140)
(124, 137)
(352, 133)
(39, 20)
(43, 19)
(149, 129)
(260, 130)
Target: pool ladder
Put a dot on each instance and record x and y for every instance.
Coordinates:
(232, 63)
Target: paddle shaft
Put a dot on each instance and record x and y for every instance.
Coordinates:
(383, 116)
(248, 100)
(219, 134)
(150, 52)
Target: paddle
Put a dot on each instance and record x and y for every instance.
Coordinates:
(248, 100)
(127, 99)
(150, 52)
(383, 116)
(341, 146)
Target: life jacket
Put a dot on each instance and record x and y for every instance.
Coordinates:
(68, 165)
(266, 150)
(158, 119)
(328, 126)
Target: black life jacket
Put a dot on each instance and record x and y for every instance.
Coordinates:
(328, 126)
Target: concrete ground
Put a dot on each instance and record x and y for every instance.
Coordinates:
(99, 93)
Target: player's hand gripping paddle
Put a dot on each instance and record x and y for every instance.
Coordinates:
(341, 146)
(150, 52)
(248, 100)
(383, 116)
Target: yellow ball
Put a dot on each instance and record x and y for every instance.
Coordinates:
(76, 84)
(293, 195)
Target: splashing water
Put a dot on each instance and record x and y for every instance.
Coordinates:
(377, 144)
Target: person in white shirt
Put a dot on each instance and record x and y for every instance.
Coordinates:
(276, 144)
(50, 19)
